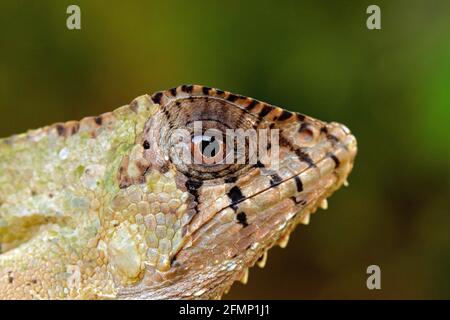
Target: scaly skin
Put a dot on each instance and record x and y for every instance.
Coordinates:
(105, 208)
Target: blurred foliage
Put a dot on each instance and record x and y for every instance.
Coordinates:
(391, 87)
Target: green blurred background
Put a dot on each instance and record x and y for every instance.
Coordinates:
(391, 87)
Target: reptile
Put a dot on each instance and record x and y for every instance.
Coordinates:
(108, 207)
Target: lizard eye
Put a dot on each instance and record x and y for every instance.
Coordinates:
(198, 136)
(209, 151)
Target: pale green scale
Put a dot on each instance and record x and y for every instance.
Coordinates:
(61, 192)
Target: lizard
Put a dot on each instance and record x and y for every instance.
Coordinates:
(107, 208)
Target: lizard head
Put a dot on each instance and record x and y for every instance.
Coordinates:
(173, 196)
(224, 177)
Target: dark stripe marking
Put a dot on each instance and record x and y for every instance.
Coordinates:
(193, 186)
(259, 164)
(60, 128)
(75, 128)
(173, 91)
(332, 138)
(300, 116)
(242, 219)
(236, 196)
(284, 115)
(275, 180)
(251, 105)
(167, 114)
(232, 97)
(301, 202)
(305, 158)
(298, 183)
(157, 97)
(98, 120)
(301, 155)
(335, 159)
(206, 90)
(265, 111)
(230, 179)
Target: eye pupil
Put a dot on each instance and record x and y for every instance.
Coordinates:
(205, 144)
(210, 147)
